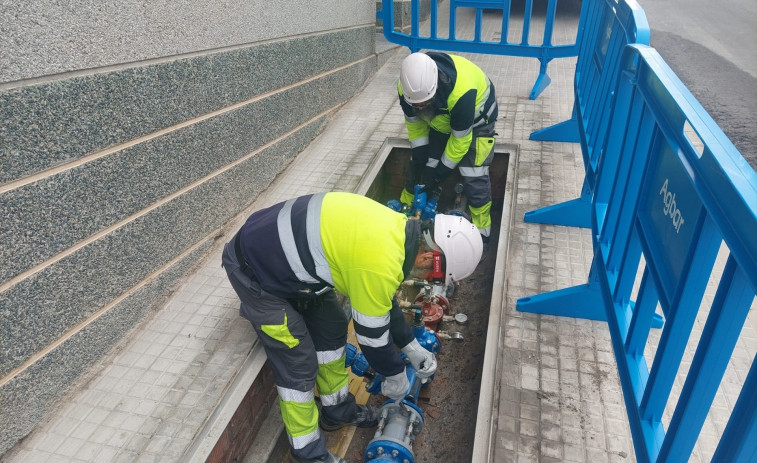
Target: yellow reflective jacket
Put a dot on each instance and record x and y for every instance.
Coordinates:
(463, 98)
(304, 246)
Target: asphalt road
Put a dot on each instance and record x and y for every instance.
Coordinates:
(712, 46)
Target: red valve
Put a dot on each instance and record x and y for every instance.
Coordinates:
(433, 309)
(436, 273)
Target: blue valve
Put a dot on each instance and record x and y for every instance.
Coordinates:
(429, 212)
(395, 205)
(419, 200)
(427, 339)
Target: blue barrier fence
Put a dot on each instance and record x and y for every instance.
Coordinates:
(436, 39)
(608, 26)
(672, 194)
(672, 206)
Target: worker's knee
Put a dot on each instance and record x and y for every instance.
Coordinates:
(477, 190)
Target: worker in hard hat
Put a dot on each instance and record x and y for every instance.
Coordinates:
(450, 109)
(285, 264)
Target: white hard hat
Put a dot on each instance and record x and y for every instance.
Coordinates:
(418, 76)
(461, 243)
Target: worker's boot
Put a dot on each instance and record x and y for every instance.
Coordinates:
(485, 251)
(328, 458)
(366, 416)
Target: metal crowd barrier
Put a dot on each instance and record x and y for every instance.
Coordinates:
(674, 209)
(435, 39)
(607, 27)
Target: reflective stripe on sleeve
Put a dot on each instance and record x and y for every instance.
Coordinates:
(381, 341)
(462, 133)
(483, 99)
(286, 235)
(370, 321)
(485, 120)
(432, 163)
(313, 232)
(448, 162)
(313, 225)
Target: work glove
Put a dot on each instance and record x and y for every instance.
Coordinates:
(431, 186)
(423, 360)
(396, 386)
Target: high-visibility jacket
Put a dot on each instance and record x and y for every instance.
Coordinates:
(307, 245)
(464, 100)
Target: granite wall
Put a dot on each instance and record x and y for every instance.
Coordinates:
(403, 13)
(129, 133)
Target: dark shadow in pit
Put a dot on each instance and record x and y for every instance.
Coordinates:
(390, 179)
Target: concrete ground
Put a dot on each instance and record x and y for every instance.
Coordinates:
(555, 396)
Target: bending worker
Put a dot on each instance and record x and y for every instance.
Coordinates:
(285, 263)
(450, 109)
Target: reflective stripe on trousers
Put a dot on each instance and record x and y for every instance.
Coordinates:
(321, 326)
(333, 383)
(300, 416)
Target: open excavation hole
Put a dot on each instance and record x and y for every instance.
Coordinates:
(450, 401)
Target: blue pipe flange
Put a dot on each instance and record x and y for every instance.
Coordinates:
(384, 451)
(398, 427)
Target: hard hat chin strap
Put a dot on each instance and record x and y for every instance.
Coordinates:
(430, 242)
(412, 243)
